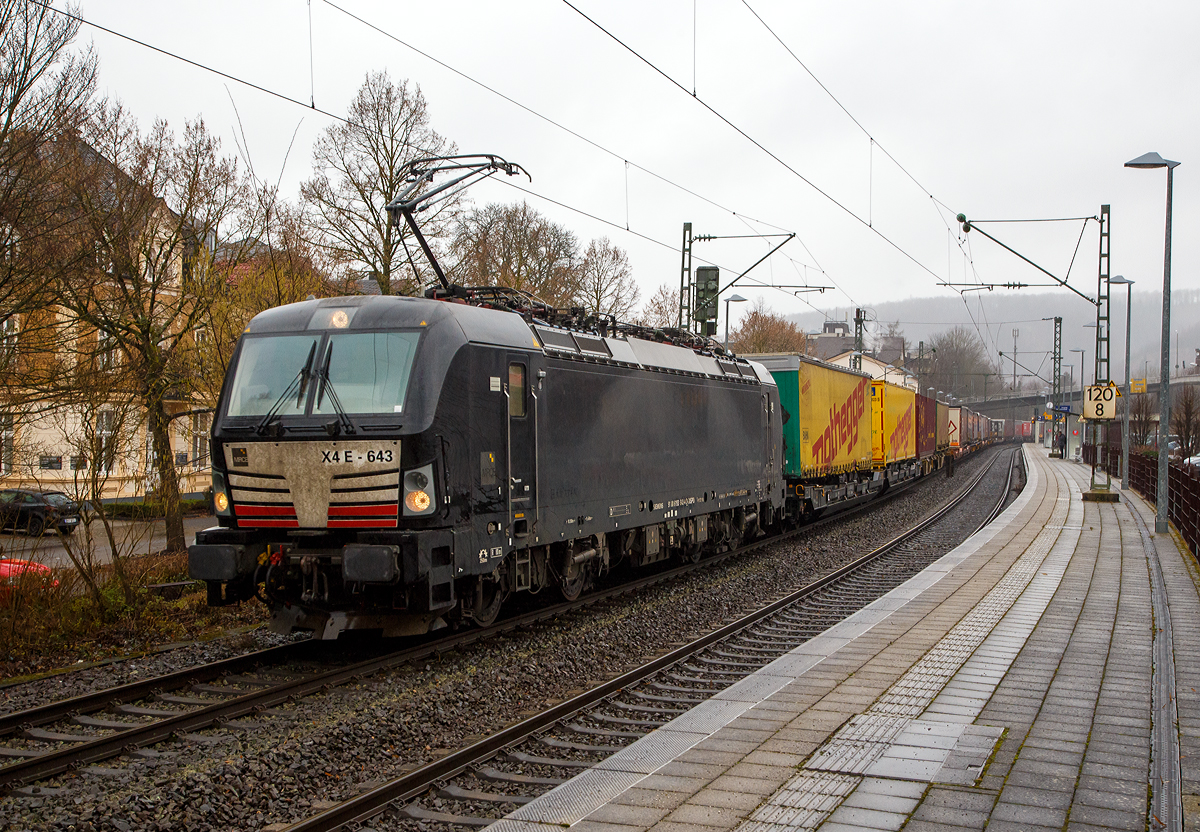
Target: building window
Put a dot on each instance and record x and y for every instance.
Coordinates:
(108, 356)
(8, 337)
(106, 440)
(200, 335)
(7, 443)
(200, 437)
(50, 463)
(104, 260)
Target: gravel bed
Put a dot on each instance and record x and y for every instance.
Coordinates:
(335, 745)
(107, 674)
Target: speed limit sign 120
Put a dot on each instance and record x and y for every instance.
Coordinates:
(1100, 402)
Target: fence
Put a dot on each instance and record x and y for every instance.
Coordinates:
(1183, 486)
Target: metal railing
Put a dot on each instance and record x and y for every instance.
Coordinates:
(1183, 486)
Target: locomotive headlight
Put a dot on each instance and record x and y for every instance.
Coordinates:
(220, 494)
(417, 502)
(419, 495)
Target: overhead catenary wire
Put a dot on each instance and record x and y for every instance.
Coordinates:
(350, 123)
(752, 140)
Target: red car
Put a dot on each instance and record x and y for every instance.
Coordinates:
(17, 574)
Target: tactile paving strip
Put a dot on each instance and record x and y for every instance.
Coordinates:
(574, 800)
(860, 748)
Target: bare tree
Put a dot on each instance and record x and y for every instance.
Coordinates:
(662, 310)
(960, 363)
(262, 273)
(357, 170)
(148, 212)
(607, 286)
(45, 93)
(1142, 411)
(763, 331)
(1185, 418)
(517, 247)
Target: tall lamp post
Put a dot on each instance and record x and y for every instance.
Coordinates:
(1146, 161)
(729, 300)
(1121, 280)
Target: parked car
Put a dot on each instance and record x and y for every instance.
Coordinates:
(1194, 460)
(17, 574)
(36, 511)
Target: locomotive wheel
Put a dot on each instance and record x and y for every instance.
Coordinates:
(488, 599)
(572, 582)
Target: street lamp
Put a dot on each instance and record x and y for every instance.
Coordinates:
(1146, 161)
(729, 300)
(1121, 280)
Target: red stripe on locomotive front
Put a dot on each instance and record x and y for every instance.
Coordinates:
(388, 509)
(363, 524)
(264, 511)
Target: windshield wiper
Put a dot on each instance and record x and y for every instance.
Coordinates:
(300, 382)
(343, 422)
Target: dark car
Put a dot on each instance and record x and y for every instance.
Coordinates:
(36, 511)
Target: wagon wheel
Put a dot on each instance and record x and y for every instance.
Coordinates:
(489, 597)
(35, 526)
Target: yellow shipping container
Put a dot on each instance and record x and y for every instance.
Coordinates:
(836, 420)
(828, 425)
(893, 423)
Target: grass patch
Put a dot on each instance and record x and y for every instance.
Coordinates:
(44, 626)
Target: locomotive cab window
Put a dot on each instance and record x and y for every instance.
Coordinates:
(516, 389)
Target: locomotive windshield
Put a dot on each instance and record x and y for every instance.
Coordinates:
(368, 372)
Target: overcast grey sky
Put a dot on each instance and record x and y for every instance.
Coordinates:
(996, 110)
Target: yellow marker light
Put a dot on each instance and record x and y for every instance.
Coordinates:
(416, 501)
(221, 501)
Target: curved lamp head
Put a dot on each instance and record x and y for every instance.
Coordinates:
(1151, 160)
(1120, 280)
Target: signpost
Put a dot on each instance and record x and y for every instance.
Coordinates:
(1137, 385)
(1100, 402)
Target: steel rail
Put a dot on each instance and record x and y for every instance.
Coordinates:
(409, 785)
(76, 755)
(16, 721)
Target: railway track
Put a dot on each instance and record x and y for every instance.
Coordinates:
(46, 741)
(478, 784)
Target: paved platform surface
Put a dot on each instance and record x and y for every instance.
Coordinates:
(1010, 686)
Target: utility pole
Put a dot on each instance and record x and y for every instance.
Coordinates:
(1055, 452)
(1016, 332)
(685, 281)
(856, 359)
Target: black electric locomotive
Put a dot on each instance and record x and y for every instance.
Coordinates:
(399, 463)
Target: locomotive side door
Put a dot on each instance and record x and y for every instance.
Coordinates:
(522, 449)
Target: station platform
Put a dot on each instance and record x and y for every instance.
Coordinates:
(1043, 675)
